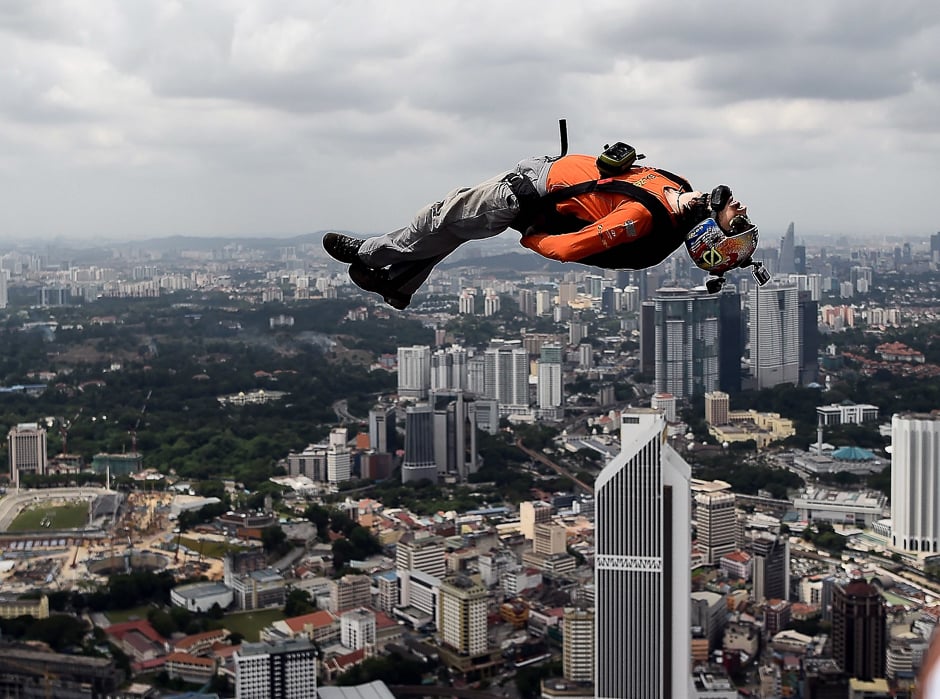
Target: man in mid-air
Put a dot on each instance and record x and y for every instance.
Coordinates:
(601, 211)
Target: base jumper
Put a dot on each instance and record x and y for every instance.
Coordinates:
(601, 211)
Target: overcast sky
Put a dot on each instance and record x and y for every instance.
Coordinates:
(127, 119)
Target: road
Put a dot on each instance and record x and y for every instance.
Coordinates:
(561, 471)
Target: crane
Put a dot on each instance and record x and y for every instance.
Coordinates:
(64, 427)
(133, 431)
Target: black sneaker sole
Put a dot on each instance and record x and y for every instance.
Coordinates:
(338, 248)
(369, 279)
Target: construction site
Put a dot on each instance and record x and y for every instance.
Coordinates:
(121, 533)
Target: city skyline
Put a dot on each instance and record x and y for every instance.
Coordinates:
(250, 119)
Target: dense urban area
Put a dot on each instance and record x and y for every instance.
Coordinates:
(227, 466)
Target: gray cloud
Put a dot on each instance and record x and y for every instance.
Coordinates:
(241, 116)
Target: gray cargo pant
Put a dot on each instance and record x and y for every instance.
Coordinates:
(467, 213)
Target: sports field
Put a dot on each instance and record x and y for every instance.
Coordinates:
(38, 518)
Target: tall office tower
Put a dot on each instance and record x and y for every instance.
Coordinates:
(476, 375)
(859, 629)
(715, 520)
(577, 331)
(4, 299)
(630, 301)
(507, 375)
(594, 285)
(687, 342)
(809, 338)
(799, 259)
(532, 513)
(915, 488)
(861, 278)
(551, 385)
(383, 436)
(418, 463)
(786, 264)
(775, 334)
(577, 655)
(466, 302)
(287, 669)
(611, 301)
(770, 567)
(731, 336)
(338, 456)
(935, 247)
(26, 448)
(526, 300)
(642, 578)
(455, 434)
(648, 337)
(462, 615)
(717, 407)
(567, 291)
(414, 371)
(449, 369)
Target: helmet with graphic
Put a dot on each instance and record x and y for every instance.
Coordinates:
(715, 250)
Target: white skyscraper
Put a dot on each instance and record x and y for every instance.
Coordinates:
(462, 615)
(715, 521)
(507, 375)
(915, 482)
(643, 544)
(449, 369)
(3, 288)
(578, 645)
(775, 334)
(414, 371)
(338, 457)
(285, 670)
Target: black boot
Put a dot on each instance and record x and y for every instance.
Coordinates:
(342, 247)
(376, 280)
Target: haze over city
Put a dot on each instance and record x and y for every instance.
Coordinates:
(124, 121)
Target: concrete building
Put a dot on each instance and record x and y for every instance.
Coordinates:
(414, 371)
(774, 334)
(418, 463)
(26, 444)
(852, 414)
(532, 513)
(357, 628)
(859, 632)
(915, 487)
(201, 596)
(686, 354)
(285, 670)
(507, 376)
(578, 645)
(550, 539)
(715, 522)
(338, 457)
(449, 369)
(667, 403)
(770, 567)
(462, 615)
(717, 406)
(843, 508)
(551, 399)
(349, 592)
(642, 551)
(383, 437)
(455, 434)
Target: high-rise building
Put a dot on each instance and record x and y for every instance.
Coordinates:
(350, 592)
(775, 334)
(667, 403)
(550, 539)
(715, 522)
(859, 629)
(809, 338)
(717, 407)
(799, 259)
(731, 334)
(462, 615)
(357, 628)
(26, 447)
(507, 375)
(786, 262)
(425, 554)
(455, 434)
(550, 384)
(532, 513)
(414, 371)
(449, 369)
(648, 337)
(578, 645)
(383, 436)
(642, 578)
(338, 457)
(770, 567)
(418, 463)
(526, 300)
(915, 494)
(287, 669)
(686, 342)
(4, 299)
